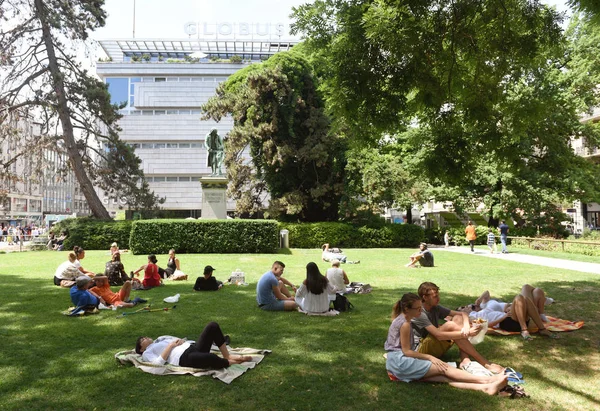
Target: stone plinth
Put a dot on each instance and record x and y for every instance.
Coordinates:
(214, 201)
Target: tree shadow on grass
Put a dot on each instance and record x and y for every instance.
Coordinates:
(318, 361)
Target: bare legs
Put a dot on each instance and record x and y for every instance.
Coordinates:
(463, 380)
(414, 259)
(527, 305)
(467, 351)
(288, 305)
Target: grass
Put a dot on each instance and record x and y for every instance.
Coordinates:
(50, 361)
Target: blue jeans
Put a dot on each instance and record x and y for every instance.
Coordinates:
(503, 241)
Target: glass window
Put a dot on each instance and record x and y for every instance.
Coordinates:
(172, 111)
(135, 112)
(135, 79)
(195, 145)
(159, 112)
(135, 145)
(185, 79)
(131, 101)
(184, 145)
(196, 112)
(159, 145)
(159, 79)
(159, 179)
(196, 78)
(147, 145)
(147, 79)
(171, 145)
(171, 179)
(171, 79)
(35, 205)
(117, 87)
(185, 178)
(147, 112)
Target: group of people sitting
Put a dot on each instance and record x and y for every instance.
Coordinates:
(416, 340)
(313, 296)
(89, 290)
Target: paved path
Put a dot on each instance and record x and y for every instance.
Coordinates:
(593, 268)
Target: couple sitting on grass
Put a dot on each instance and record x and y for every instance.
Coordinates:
(313, 295)
(86, 298)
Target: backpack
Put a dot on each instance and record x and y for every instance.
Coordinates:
(341, 303)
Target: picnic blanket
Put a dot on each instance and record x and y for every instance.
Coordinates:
(227, 375)
(554, 324)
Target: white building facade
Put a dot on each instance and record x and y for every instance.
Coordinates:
(163, 84)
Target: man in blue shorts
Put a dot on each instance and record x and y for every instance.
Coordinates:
(271, 291)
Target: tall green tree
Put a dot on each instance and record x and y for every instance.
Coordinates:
(476, 92)
(41, 74)
(279, 121)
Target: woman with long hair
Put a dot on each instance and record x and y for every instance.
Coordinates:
(151, 274)
(313, 294)
(80, 253)
(406, 364)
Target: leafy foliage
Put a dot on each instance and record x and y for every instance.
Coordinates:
(279, 117)
(475, 93)
(204, 236)
(313, 235)
(93, 234)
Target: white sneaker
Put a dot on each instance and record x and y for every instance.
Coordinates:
(549, 300)
(544, 318)
(172, 299)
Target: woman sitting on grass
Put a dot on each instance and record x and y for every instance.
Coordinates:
(151, 273)
(115, 271)
(175, 351)
(80, 253)
(513, 317)
(313, 294)
(406, 364)
(67, 272)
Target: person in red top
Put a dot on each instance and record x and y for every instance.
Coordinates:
(471, 236)
(151, 276)
(102, 290)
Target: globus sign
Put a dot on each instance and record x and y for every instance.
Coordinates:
(234, 30)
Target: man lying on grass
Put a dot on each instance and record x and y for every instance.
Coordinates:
(436, 340)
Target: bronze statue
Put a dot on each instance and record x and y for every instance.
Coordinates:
(215, 146)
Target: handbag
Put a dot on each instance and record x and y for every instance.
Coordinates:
(341, 303)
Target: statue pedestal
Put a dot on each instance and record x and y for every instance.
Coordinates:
(214, 200)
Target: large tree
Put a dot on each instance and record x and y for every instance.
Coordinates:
(475, 91)
(40, 73)
(279, 119)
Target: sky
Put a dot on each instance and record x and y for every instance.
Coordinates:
(166, 19)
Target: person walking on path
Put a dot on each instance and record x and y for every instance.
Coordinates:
(503, 235)
(471, 236)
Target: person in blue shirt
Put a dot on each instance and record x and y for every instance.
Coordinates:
(271, 291)
(81, 297)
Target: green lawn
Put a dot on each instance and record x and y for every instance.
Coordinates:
(50, 361)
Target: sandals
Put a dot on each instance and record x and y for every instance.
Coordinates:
(513, 391)
(549, 334)
(526, 336)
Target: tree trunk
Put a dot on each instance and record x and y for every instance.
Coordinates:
(98, 209)
(492, 222)
(409, 214)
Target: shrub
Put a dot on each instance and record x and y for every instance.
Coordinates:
(236, 59)
(92, 234)
(313, 235)
(204, 236)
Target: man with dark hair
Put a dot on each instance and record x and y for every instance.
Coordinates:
(435, 339)
(207, 282)
(503, 235)
(424, 257)
(271, 291)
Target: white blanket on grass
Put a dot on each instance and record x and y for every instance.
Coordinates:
(227, 375)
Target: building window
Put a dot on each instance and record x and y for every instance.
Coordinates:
(118, 87)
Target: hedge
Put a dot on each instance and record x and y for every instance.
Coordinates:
(204, 236)
(93, 234)
(313, 235)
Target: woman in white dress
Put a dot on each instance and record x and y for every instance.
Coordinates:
(313, 295)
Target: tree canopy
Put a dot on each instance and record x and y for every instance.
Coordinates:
(476, 93)
(41, 74)
(296, 164)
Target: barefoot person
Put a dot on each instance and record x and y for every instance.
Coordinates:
(424, 257)
(271, 291)
(407, 364)
(175, 351)
(513, 317)
(436, 340)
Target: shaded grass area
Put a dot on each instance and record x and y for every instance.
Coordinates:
(50, 361)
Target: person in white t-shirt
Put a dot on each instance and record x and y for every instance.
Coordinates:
(313, 294)
(337, 277)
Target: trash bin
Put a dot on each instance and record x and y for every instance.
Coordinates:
(284, 239)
